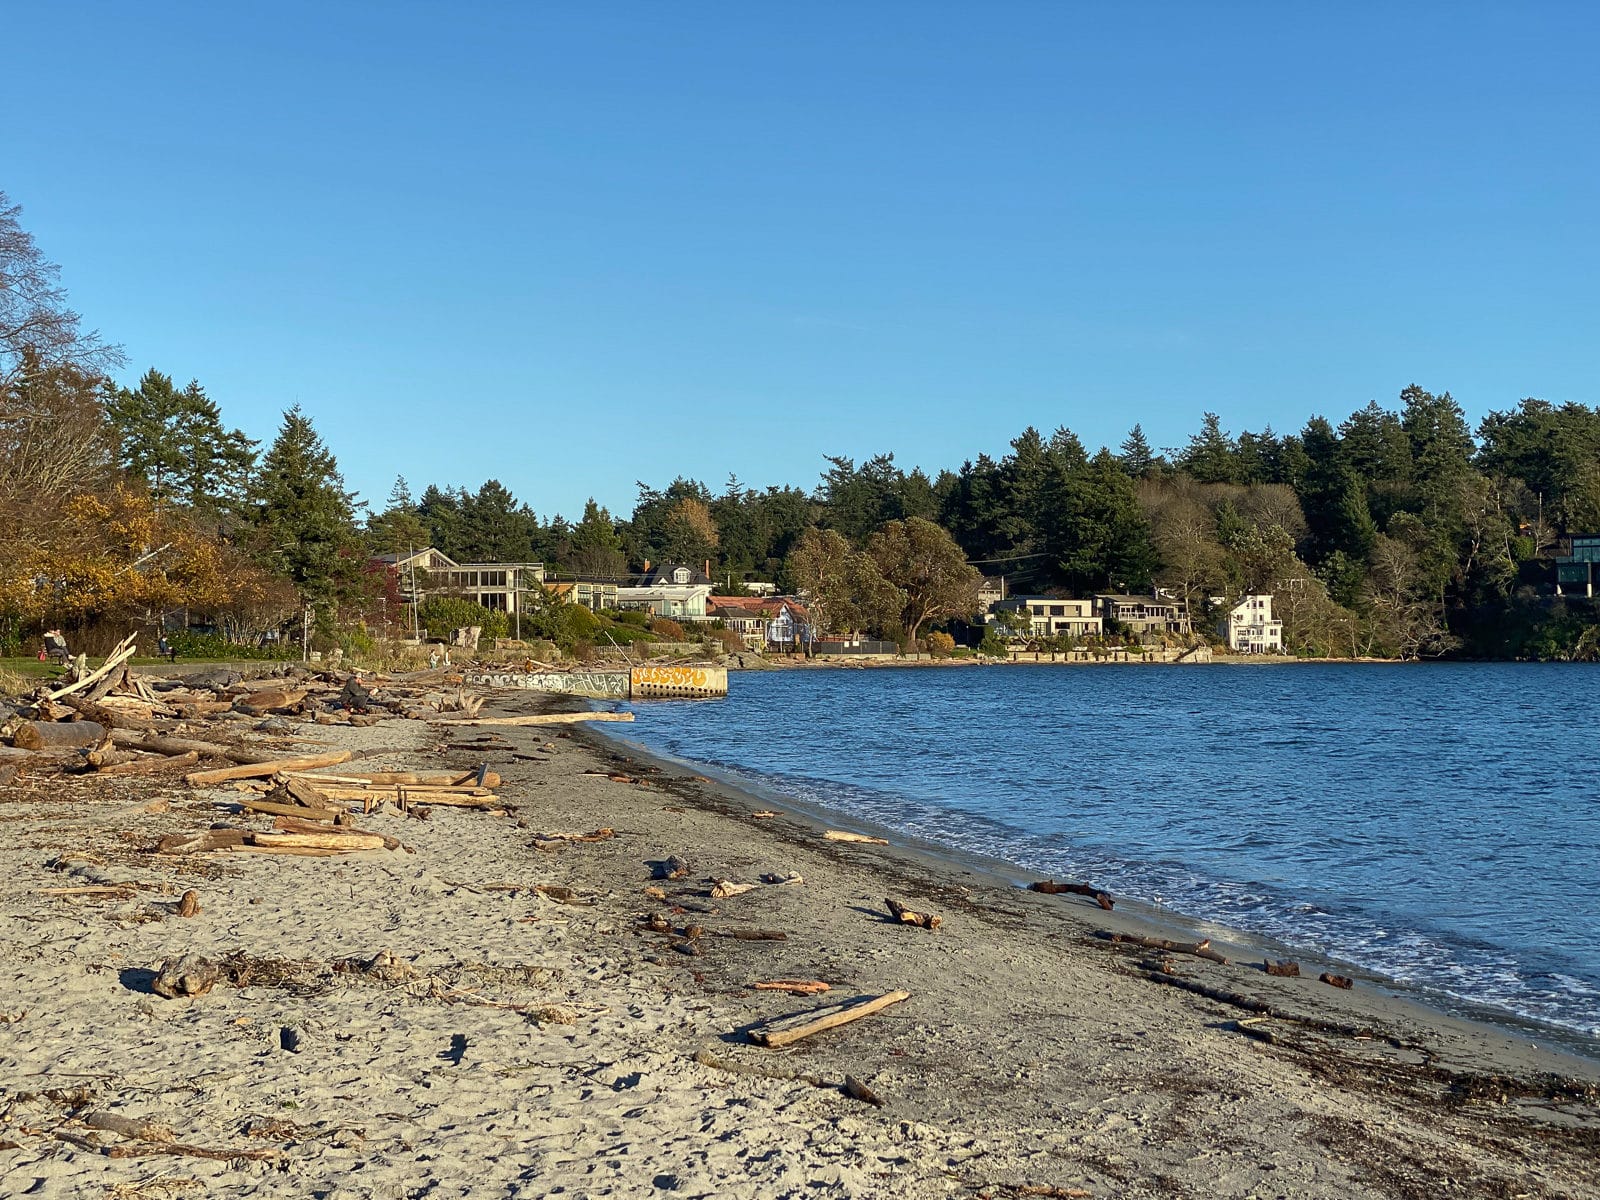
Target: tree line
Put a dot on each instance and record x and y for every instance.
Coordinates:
(1400, 531)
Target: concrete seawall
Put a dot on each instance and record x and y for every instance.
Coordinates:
(641, 683)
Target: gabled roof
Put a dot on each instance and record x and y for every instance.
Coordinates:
(396, 560)
(661, 575)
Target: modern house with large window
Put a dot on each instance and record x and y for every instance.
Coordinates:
(1146, 617)
(495, 585)
(1048, 616)
(1579, 570)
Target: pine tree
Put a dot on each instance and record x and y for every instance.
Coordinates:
(1137, 458)
(216, 462)
(304, 516)
(144, 421)
(596, 546)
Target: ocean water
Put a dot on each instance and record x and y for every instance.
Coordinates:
(1436, 824)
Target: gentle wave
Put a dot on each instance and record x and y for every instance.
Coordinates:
(1374, 817)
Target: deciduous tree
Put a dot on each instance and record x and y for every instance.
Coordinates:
(925, 564)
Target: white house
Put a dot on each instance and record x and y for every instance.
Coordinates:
(1250, 629)
(671, 590)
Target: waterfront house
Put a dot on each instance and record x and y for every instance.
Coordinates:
(593, 594)
(429, 572)
(745, 615)
(1249, 627)
(1146, 617)
(1579, 568)
(790, 626)
(673, 590)
(1047, 616)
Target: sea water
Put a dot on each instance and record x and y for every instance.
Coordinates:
(1436, 824)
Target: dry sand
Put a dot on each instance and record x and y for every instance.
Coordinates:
(519, 1046)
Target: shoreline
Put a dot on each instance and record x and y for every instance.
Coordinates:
(1135, 916)
(490, 1010)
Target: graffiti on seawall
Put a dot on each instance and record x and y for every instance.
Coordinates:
(680, 681)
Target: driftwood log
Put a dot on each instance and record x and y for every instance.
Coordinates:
(132, 740)
(329, 840)
(1284, 968)
(150, 765)
(274, 766)
(1338, 981)
(90, 682)
(908, 916)
(1200, 949)
(545, 719)
(840, 835)
(1051, 888)
(273, 808)
(59, 735)
(109, 716)
(783, 1031)
(203, 842)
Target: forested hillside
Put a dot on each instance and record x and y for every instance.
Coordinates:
(1397, 531)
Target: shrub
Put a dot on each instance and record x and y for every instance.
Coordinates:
(215, 646)
(941, 645)
(670, 630)
(630, 616)
(993, 645)
(357, 641)
(443, 615)
(731, 642)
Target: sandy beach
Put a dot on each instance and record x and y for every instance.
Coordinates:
(423, 1022)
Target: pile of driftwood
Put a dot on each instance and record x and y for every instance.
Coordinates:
(111, 722)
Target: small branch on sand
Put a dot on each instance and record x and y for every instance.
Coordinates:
(1200, 949)
(797, 987)
(1051, 888)
(783, 1031)
(840, 835)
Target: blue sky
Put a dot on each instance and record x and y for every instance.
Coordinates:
(570, 246)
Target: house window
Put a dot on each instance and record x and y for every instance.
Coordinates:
(681, 575)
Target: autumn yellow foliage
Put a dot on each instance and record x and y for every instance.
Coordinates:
(111, 555)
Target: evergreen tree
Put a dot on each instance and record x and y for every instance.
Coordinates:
(494, 526)
(1335, 506)
(305, 519)
(144, 421)
(1211, 456)
(1137, 459)
(1095, 531)
(440, 511)
(397, 529)
(596, 548)
(176, 444)
(216, 462)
